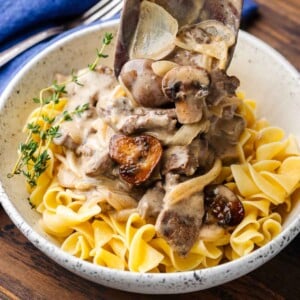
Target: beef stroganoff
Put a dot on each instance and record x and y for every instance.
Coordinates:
(165, 169)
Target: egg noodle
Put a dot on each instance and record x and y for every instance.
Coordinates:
(266, 181)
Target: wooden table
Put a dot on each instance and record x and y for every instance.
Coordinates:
(26, 273)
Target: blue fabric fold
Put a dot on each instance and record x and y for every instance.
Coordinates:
(250, 10)
(22, 18)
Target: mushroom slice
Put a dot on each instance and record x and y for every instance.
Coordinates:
(137, 156)
(155, 33)
(142, 84)
(188, 87)
(210, 38)
(222, 206)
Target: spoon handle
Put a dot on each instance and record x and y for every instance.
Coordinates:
(17, 49)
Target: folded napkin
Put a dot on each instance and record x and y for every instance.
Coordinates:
(250, 10)
(21, 18)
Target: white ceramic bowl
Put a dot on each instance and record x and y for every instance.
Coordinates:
(265, 76)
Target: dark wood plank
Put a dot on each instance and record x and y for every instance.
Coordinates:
(26, 273)
(278, 24)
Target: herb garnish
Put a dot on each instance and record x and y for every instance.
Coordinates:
(105, 42)
(34, 152)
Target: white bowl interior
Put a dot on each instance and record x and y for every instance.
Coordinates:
(264, 75)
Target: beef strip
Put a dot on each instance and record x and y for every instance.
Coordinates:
(230, 129)
(171, 179)
(95, 161)
(151, 203)
(185, 160)
(221, 86)
(179, 224)
(227, 126)
(121, 116)
(180, 160)
(224, 135)
(148, 120)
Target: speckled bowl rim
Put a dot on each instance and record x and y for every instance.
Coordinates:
(169, 283)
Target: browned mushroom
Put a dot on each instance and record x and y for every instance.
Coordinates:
(136, 156)
(188, 87)
(142, 83)
(222, 206)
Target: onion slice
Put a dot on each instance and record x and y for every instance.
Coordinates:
(155, 34)
(188, 188)
(187, 133)
(161, 67)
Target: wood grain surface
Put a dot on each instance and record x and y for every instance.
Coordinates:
(26, 273)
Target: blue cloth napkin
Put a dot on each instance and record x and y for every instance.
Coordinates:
(21, 18)
(250, 10)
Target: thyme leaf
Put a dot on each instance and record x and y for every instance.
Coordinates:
(41, 163)
(34, 128)
(101, 55)
(79, 110)
(67, 116)
(75, 79)
(53, 132)
(59, 88)
(47, 119)
(36, 100)
(108, 37)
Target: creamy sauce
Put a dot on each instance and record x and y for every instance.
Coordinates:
(89, 132)
(98, 86)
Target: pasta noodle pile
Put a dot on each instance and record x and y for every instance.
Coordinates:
(266, 181)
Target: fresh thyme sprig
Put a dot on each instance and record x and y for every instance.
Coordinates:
(34, 152)
(79, 110)
(105, 42)
(75, 78)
